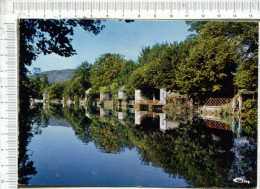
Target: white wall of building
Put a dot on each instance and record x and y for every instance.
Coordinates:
(167, 124)
(138, 96)
(164, 94)
(121, 95)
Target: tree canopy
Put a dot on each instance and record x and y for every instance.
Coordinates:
(47, 36)
(218, 58)
(38, 83)
(245, 37)
(111, 71)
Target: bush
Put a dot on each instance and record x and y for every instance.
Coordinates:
(76, 99)
(177, 99)
(176, 111)
(250, 116)
(226, 109)
(250, 107)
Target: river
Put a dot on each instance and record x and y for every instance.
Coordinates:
(79, 146)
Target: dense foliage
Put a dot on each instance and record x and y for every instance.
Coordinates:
(244, 35)
(79, 82)
(38, 83)
(46, 36)
(111, 71)
(250, 116)
(218, 59)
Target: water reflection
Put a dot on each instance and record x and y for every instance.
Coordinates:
(203, 152)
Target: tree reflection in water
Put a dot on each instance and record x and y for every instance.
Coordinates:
(27, 118)
(203, 156)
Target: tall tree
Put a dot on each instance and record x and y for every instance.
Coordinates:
(38, 83)
(73, 87)
(44, 36)
(83, 73)
(56, 90)
(105, 70)
(245, 35)
(207, 70)
(148, 54)
(158, 66)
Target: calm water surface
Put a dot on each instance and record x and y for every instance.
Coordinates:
(81, 147)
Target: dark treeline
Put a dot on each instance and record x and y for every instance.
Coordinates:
(217, 60)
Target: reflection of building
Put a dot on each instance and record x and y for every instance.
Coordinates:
(105, 96)
(86, 93)
(164, 124)
(236, 127)
(167, 124)
(137, 117)
(121, 115)
(104, 112)
(131, 110)
(45, 96)
(217, 125)
(121, 93)
(164, 94)
(46, 107)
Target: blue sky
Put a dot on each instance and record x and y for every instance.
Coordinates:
(118, 37)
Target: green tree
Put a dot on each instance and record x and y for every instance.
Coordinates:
(44, 84)
(105, 70)
(38, 83)
(83, 73)
(137, 80)
(245, 35)
(79, 83)
(148, 54)
(250, 116)
(161, 71)
(125, 72)
(67, 92)
(207, 70)
(159, 65)
(56, 91)
(77, 88)
(123, 79)
(46, 36)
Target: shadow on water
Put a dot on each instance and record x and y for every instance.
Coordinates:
(205, 153)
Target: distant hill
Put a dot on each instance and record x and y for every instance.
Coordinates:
(54, 122)
(56, 76)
